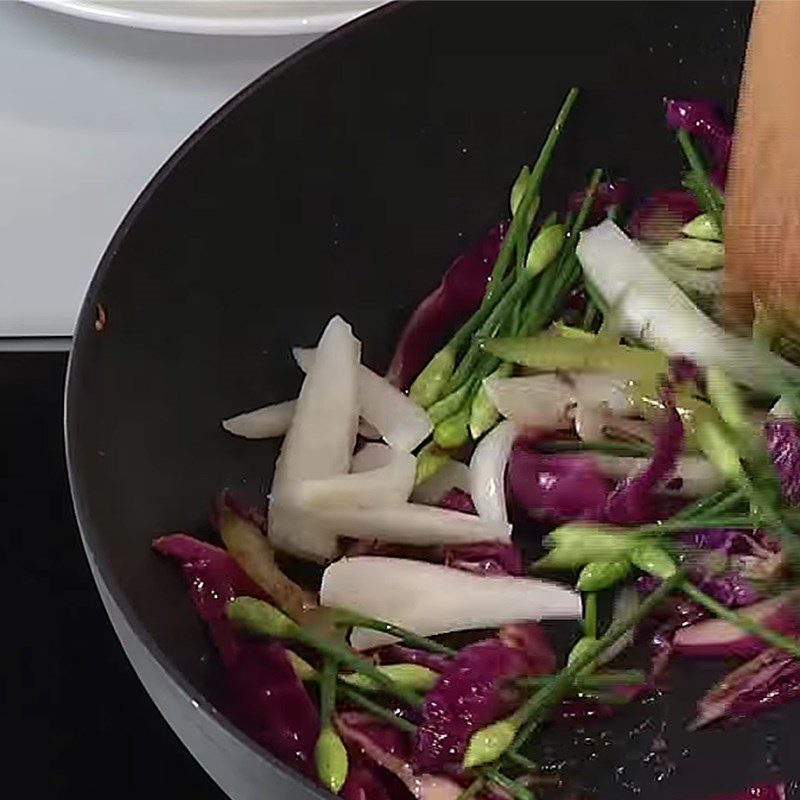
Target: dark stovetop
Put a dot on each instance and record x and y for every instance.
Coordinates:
(78, 720)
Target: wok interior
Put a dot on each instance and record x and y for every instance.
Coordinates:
(346, 183)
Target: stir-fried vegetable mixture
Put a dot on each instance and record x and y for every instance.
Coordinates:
(567, 387)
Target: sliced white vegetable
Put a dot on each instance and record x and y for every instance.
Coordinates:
(430, 599)
(656, 311)
(262, 423)
(698, 477)
(548, 401)
(488, 472)
(453, 475)
(319, 442)
(409, 523)
(381, 476)
(398, 419)
(269, 422)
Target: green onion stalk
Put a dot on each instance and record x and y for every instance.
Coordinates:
(708, 196)
(430, 383)
(552, 268)
(330, 754)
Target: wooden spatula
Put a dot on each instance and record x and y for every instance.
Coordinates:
(762, 202)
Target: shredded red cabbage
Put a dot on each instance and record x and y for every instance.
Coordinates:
(631, 502)
(485, 558)
(703, 120)
(723, 563)
(458, 294)
(557, 487)
(783, 441)
(471, 693)
(661, 215)
(771, 678)
(400, 654)
(673, 615)
(214, 578)
(264, 696)
(530, 639)
(386, 747)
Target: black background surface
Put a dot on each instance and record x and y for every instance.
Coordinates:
(78, 722)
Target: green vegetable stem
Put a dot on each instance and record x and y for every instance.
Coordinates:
(654, 560)
(261, 619)
(599, 575)
(575, 545)
(330, 754)
(484, 415)
(410, 676)
(530, 193)
(429, 384)
(430, 460)
(354, 620)
(583, 645)
(453, 432)
(702, 227)
(489, 743)
(708, 196)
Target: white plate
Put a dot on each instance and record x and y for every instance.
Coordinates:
(232, 17)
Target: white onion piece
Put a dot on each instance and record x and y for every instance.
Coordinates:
(262, 423)
(319, 442)
(269, 422)
(625, 604)
(381, 476)
(453, 475)
(408, 523)
(488, 472)
(430, 599)
(699, 477)
(655, 310)
(548, 401)
(398, 419)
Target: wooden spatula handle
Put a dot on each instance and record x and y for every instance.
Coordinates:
(762, 209)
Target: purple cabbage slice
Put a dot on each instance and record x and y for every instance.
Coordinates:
(702, 119)
(264, 696)
(556, 488)
(485, 558)
(473, 692)
(632, 501)
(449, 305)
(783, 442)
(388, 749)
(771, 678)
(401, 654)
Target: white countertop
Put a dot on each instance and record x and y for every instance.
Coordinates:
(88, 112)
